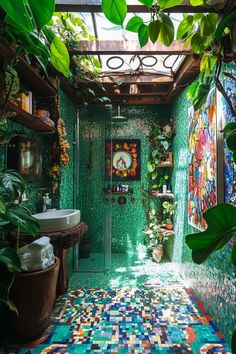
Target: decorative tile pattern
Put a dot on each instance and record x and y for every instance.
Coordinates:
(153, 319)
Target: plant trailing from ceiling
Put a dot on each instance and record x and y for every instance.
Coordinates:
(13, 216)
(85, 69)
(25, 23)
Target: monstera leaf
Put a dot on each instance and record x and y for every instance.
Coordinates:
(11, 185)
(221, 221)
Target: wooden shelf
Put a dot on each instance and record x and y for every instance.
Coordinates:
(165, 165)
(30, 121)
(30, 78)
(110, 193)
(163, 195)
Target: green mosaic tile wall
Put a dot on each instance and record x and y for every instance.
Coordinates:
(67, 187)
(214, 281)
(127, 220)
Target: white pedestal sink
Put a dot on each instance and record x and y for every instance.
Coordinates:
(58, 220)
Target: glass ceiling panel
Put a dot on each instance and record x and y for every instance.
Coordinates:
(156, 64)
(121, 63)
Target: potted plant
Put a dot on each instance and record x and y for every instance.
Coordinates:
(168, 213)
(156, 236)
(159, 186)
(29, 295)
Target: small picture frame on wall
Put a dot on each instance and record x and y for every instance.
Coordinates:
(123, 159)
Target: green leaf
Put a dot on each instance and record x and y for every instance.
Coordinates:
(207, 63)
(60, 58)
(154, 175)
(201, 96)
(2, 206)
(192, 90)
(208, 24)
(231, 140)
(154, 30)
(134, 24)
(165, 4)
(42, 11)
(33, 45)
(143, 35)
(154, 153)
(166, 35)
(115, 10)
(148, 3)
(233, 342)
(197, 43)
(221, 221)
(21, 218)
(18, 13)
(165, 144)
(11, 185)
(184, 27)
(233, 255)
(151, 167)
(196, 2)
(9, 257)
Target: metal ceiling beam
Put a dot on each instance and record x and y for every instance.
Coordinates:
(129, 47)
(95, 6)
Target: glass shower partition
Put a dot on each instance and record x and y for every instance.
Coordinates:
(94, 129)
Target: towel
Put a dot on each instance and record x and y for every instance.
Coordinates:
(37, 255)
(42, 241)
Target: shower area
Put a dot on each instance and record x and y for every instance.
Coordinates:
(111, 208)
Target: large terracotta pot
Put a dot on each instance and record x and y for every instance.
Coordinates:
(34, 294)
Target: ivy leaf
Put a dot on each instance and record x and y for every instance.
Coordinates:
(154, 175)
(197, 43)
(134, 24)
(192, 90)
(115, 10)
(165, 4)
(143, 35)
(184, 27)
(148, 3)
(154, 152)
(196, 2)
(151, 167)
(201, 95)
(221, 221)
(166, 35)
(208, 24)
(207, 63)
(154, 30)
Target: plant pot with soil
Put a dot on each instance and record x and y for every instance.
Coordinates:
(30, 295)
(33, 294)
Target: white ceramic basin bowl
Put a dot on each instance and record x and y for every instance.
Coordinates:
(58, 220)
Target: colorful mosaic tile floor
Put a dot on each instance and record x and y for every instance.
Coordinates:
(154, 319)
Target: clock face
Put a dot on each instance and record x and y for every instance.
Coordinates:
(122, 160)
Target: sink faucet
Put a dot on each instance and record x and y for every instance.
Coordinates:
(47, 202)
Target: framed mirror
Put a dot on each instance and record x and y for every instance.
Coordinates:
(24, 155)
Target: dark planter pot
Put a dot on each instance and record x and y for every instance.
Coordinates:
(34, 294)
(84, 248)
